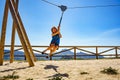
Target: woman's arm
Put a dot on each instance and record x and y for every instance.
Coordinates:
(60, 35)
(56, 33)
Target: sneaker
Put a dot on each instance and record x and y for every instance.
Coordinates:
(42, 53)
(47, 56)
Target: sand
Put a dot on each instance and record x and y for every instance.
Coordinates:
(68, 69)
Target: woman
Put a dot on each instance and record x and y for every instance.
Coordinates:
(54, 45)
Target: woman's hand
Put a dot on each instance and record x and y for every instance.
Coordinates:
(58, 32)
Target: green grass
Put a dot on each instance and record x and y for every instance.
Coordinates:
(29, 79)
(13, 76)
(110, 71)
(82, 73)
(57, 78)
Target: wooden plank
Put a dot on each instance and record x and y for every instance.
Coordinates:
(3, 32)
(17, 20)
(106, 51)
(86, 51)
(63, 51)
(14, 50)
(37, 51)
(43, 46)
(63, 55)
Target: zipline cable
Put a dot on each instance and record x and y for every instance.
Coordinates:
(94, 6)
(50, 3)
(64, 8)
(112, 5)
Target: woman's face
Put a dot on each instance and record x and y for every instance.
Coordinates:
(54, 30)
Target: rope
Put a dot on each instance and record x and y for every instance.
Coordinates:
(62, 7)
(61, 18)
(94, 6)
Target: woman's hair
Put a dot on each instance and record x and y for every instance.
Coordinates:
(53, 28)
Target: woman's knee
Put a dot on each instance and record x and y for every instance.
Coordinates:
(55, 48)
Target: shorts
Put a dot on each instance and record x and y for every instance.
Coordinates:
(55, 40)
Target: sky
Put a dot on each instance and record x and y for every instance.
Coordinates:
(80, 27)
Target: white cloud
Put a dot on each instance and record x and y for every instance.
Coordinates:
(110, 33)
(109, 37)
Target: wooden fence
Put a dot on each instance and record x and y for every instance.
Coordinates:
(95, 50)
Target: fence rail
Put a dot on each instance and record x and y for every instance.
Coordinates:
(97, 50)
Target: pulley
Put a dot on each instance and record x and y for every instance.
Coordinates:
(63, 8)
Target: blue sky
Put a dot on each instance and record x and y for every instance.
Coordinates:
(85, 26)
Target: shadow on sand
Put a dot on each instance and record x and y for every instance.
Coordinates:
(59, 75)
(55, 69)
(14, 69)
(51, 67)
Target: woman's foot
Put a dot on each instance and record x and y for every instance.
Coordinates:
(47, 56)
(42, 52)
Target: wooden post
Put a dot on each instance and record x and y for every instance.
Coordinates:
(3, 32)
(18, 21)
(13, 36)
(74, 53)
(116, 52)
(26, 37)
(96, 52)
(12, 43)
(27, 40)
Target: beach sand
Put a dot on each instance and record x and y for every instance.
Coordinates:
(68, 69)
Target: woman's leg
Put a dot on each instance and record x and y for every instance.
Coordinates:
(54, 48)
(49, 48)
